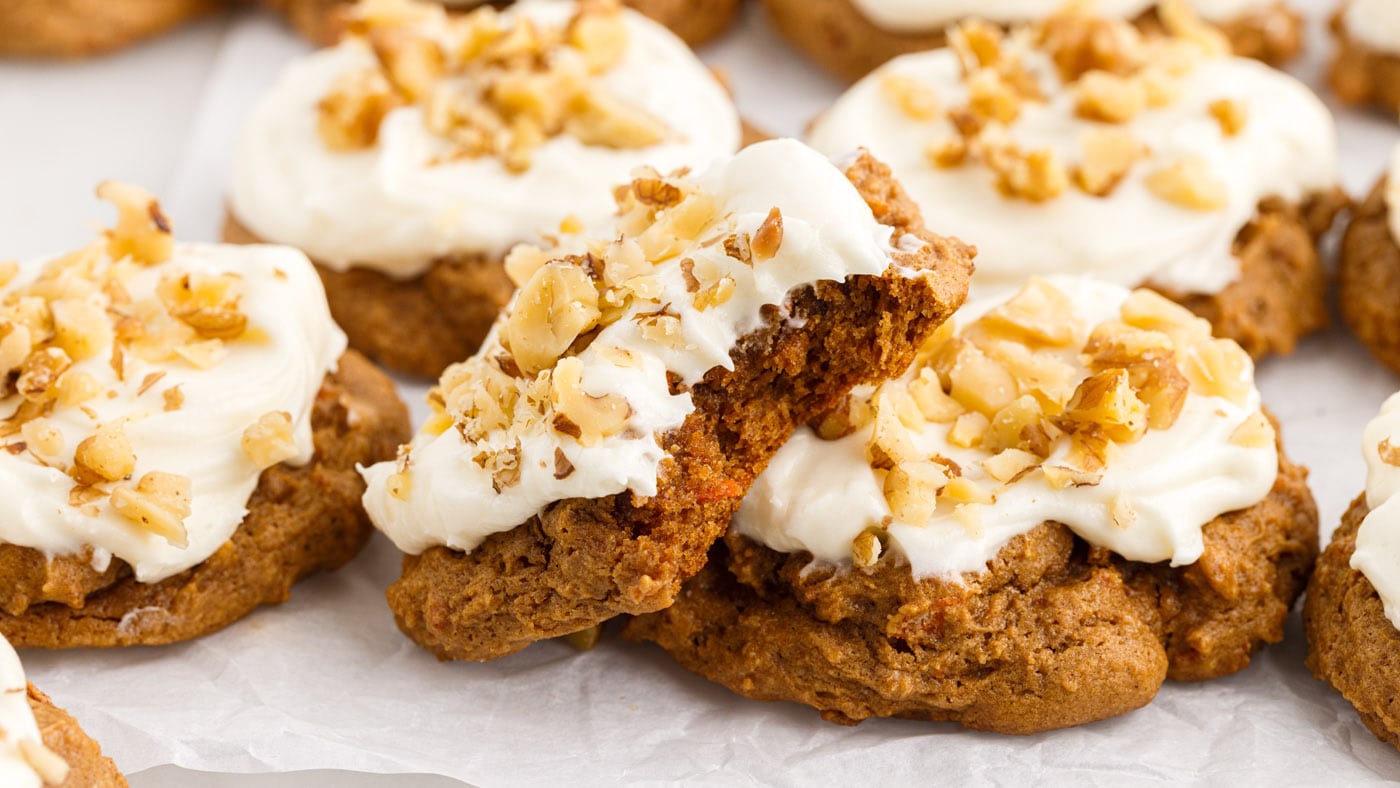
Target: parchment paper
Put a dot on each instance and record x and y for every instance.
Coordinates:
(326, 682)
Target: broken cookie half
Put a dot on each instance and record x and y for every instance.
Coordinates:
(584, 461)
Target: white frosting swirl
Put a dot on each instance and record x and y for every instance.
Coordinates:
(16, 723)
(388, 208)
(1377, 554)
(1287, 148)
(917, 16)
(280, 370)
(1375, 23)
(819, 495)
(829, 233)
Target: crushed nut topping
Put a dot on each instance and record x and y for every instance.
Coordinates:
(1112, 73)
(78, 309)
(1027, 381)
(585, 312)
(490, 86)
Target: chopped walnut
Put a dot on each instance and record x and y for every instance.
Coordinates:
(912, 489)
(1255, 432)
(207, 303)
(1232, 115)
(1189, 183)
(269, 440)
(555, 306)
(159, 503)
(1109, 98)
(915, 99)
(142, 232)
(768, 238)
(104, 456)
(867, 547)
(1388, 452)
(591, 418)
(348, 118)
(1036, 175)
(1108, 156)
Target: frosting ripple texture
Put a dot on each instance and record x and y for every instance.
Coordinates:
(1075, 401)
(419, 185)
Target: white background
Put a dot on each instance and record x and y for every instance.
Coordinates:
(325, 682)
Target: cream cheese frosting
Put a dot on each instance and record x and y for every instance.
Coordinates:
(1149, 503)
(916, 16)
(1375, 23)
(1377, 554)
(1284, 145)
(23, 757)
(205, 409)
(694, 278)
(407, 200)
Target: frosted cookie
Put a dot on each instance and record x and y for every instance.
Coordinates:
(853, 37)
(695, 21)
(41, 746)
(581, 464)
(1368, 274)
(1353, 602)
(1081, 146)
(1071, 496)
(408, 159)
(180, 434)
(74, 28)
(1366, 66)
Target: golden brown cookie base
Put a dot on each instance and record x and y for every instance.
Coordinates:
(74, 28)
(87, 766)
(418, 326)
(1368, 279)
(1281, 295)
(300, 521)
(1351, 644)
(836, 35)
(1053, 634)
(695, 21)
(1361, 75)
(584, 561)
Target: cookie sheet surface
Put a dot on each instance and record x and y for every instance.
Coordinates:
(326, 681)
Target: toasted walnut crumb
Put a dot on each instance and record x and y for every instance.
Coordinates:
(46, 763)
(174, 398)
(867, 547)
(1063, 476)
(1181, 20)
(1389, 453)
(600, 36)
(159, 503)
(348, 117)
(947, 153)
(979, 383)
(400, 485)
(77, 387)
(595, 418)
(965, 490)
(1108, 156)
(977, 44)
(1037, 175)
(1010, 465)
(15, 346)
(717, 293)
(269, 440)
(1121, 512)
(555, 306)
(106, 455)
(1109, 98)
(1256, 432)
(911, 490)
(990, 97)
(968, 430)
(40, 372)
(207, 303)
(43, 437)
(81, 328)
(1106, 402)
(915, 99)
(1231, 115)
(142, 232)
(1189, 183)
(768, 238)
(563, 468)
(1220, 368)
(9, 269)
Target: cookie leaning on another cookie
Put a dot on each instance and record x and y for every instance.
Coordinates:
(851, 38)
(1071, 496)
(41, 745)
(184, 426)
(1083, 146)
(406, 183)
(1353, 602)
(583, 462)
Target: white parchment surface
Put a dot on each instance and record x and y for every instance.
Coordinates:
(326, 682)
